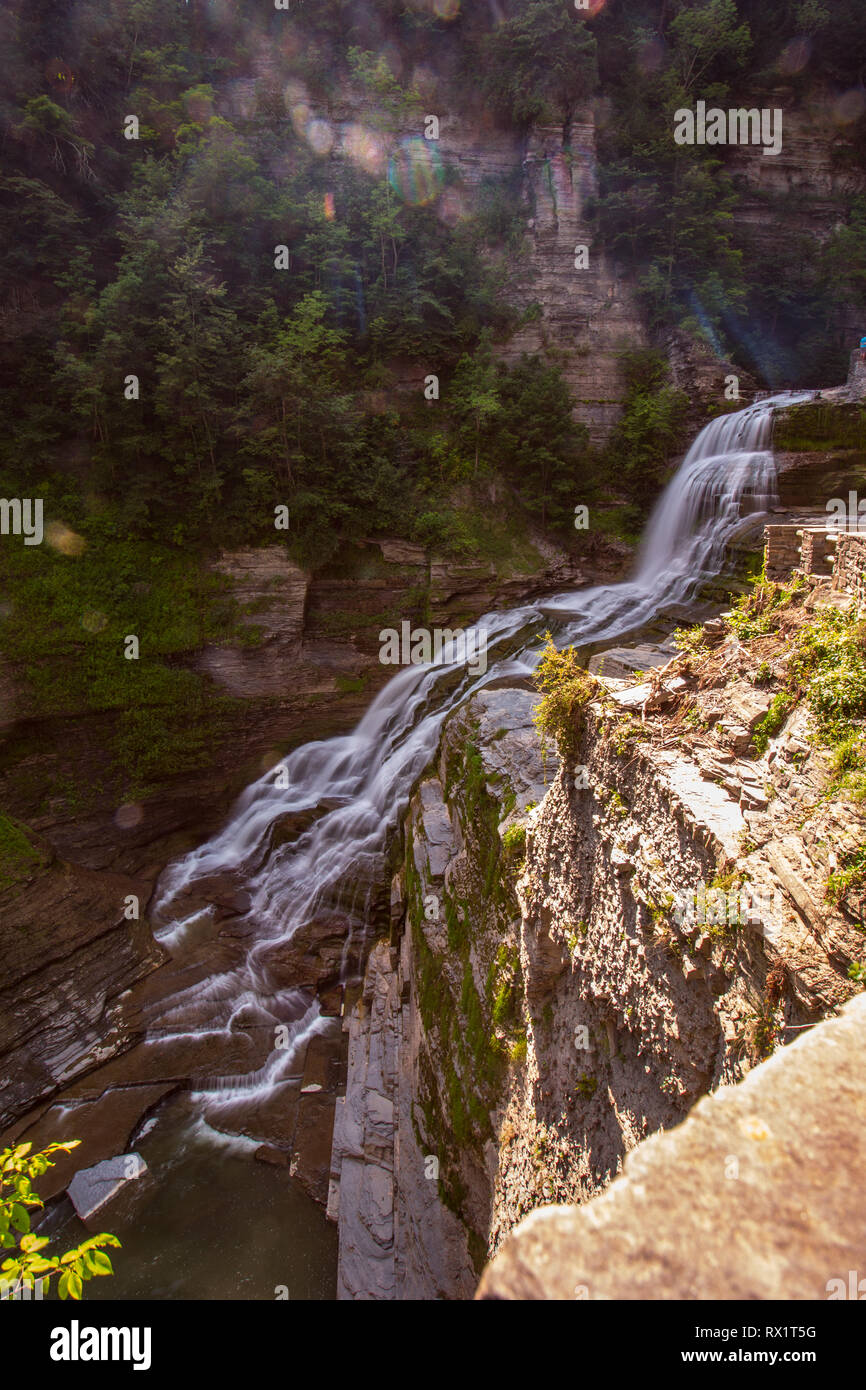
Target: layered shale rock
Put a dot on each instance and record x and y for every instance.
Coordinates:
(733, 1204)
(581, 952)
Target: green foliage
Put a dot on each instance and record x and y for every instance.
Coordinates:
(586, 1086)
(849, 879)
(475, 393)
(690, 639)
(538, 446)
(764, 674)
(371, 72)
(706, 38)
(757, 613)
(514, 842)
(765, 1029)
(164, 266)
(772, 722)
(848, 762)
(66, 619)
(30, 1264)
(830, 661)
(566, 689)
(18, 857)
(539, 64)
(651, 428)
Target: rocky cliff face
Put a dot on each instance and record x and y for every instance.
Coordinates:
(733, 1204)
(587, 312)
(567, 978)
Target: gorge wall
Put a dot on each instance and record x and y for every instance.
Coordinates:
(545, 1002)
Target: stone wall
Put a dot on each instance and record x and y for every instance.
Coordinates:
(781, 550)
(849, 572)
(817, 550)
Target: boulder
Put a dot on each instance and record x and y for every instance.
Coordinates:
(93, 1188)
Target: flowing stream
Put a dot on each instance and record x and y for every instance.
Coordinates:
(361, 782)
(348, 793)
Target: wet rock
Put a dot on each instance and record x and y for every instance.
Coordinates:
(69, 952)
(311, 1157)
(271, 1117)
(291, 826)
(104, 1126)
(324, 1054)
(223, 893)
(277, 1158)
(93, 1189)
(331, 1002)
(311, 957)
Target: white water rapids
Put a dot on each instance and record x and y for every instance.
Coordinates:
(360, 783)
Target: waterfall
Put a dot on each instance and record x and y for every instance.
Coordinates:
(355, 788)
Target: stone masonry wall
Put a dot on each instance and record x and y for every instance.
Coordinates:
(849, 571)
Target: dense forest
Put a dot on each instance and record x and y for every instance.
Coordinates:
(168, 372)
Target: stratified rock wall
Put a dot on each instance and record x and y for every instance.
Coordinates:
(736, 1203)
(551, 1006)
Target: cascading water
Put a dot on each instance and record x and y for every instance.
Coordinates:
(356, 787)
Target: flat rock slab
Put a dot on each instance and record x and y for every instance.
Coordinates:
(104, 1126)
(366, 1268)
(756, 1195)
(747, 705)
(92, 1188)
(620, 663)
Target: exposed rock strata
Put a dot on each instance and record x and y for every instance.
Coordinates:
(624, 1012)
(736, 1203)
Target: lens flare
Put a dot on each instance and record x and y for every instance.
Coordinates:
(794, 56)
(415, 171)
(129, 816)
(94, 621)
(319, 135)
(62, 538)
(364, 148)
(849, 107)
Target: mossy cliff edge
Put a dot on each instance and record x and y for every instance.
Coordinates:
(565, 979)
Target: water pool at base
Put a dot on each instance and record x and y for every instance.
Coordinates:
(210, 1222)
